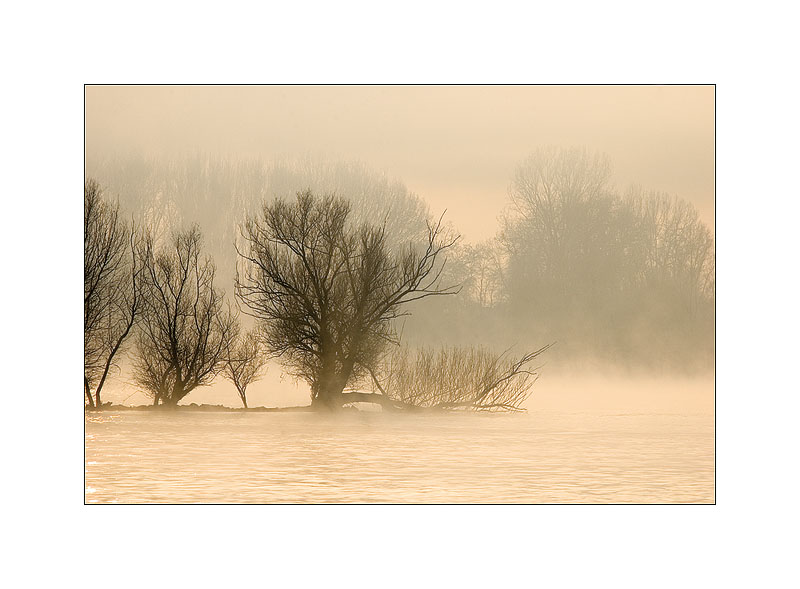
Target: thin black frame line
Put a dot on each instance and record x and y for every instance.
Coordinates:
(404, 84)
(714, 85)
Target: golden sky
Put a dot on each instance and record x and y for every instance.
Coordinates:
(456, 146)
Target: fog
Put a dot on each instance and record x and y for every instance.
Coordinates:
(587, 392)
(456, 146)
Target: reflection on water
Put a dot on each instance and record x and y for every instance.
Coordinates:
(541, 457)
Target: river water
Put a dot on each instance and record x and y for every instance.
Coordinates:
(543, 456)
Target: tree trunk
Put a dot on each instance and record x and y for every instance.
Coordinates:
(329, 396)
(156, 399)
(243, 397)
(110, 358)
(88, 391)
(327, 401)
(176, 394)
(324, 388)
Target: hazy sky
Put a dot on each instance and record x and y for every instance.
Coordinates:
(456, 146)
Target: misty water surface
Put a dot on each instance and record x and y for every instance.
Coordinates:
(540, 457)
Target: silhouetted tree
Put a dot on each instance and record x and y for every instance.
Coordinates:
(111, 287)
(185, 328)
(327, 291)
(244, 360)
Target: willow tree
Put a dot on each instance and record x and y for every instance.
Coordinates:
(111, 288)
(185, 327)
(327, 290)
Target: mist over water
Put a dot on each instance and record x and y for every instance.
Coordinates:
(600, 439)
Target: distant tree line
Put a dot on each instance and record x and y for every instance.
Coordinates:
(632, 274)
(219, 194)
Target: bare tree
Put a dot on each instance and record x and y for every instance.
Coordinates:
(677, 248)
(561, 207)
(327, 292)
(479, 269)
(244, 361)
(185, 328)
(111, 287)
(452, 378)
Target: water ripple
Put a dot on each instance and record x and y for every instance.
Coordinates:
(144, 457)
